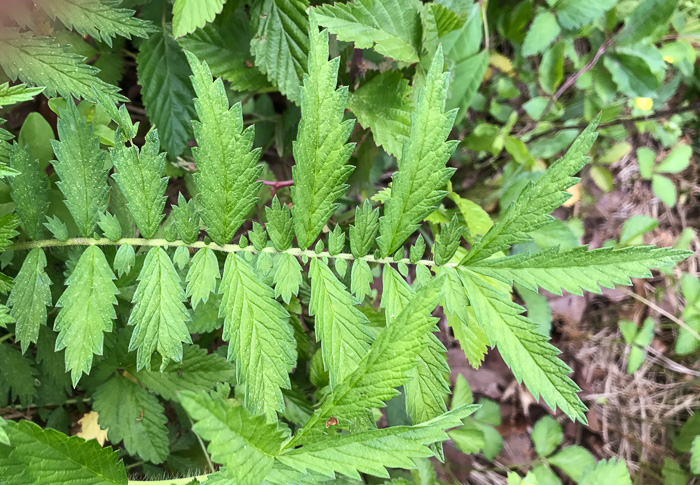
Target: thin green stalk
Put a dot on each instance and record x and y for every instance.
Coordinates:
(227, 248)
(172, 481)
(5, 337)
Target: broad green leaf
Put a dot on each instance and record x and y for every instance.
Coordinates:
(261, 338)
(17, 94)
(664, 189)
(645, 19)
(340, 326)
(100, 19)
(245, 444)
(30, 191)
(574, 14)
(551, 69)
(166, 89)
(526, 351)
(159, 313)
(20, 382)
(202, 276)
(610, 471)
(573, 460)
(45, 456)
(468, 74)
(543, 30)
(546, 435)
(29, 298)
(225, 47)
(227, 167)
(288, 277)
(198, 372)
(673, 473)
(417, 186)
(695, 456)
(321, 150)
(579, 268)
(531, 209)
(676, 161)
(632, 74)
(386, 366)
(391, 27)
(387, 92)
(40, 61)
(372, 452)
(80, 166)
(87, 311)
(132, 414)
(189, 15)
(280, 42)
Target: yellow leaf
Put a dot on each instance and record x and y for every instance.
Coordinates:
(91, 429)
(575, 191)
(501, 62)
(645, 104)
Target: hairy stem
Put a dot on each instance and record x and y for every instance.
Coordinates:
(227, 248)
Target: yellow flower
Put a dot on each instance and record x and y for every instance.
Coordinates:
(645, 104)
(668, 59)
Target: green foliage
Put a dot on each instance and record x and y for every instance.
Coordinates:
(189, 15)
(17, 93)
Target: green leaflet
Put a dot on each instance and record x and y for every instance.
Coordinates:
(19, 383)
(364, 232)
(87, 311)
(542, 32)
(279, 225)
(186, 219)
(429, 384)
(340, 326)
(245, 444)
(386, 366)
(573, 14)
(198, 372)
(133, 415)
(101, 19)
(80, 166)
(280, 42)
(8, 224)
(189, 15)
(531, 209)
(44, 456)
(645, 19)
(388, 92)
(29, 298)
(202, 276)
(139, 176)
(167, 92)
(579, 268)
(227, 168)
(261, 339)
(321, 150)
(391, 27)
(39, 61)
(526, 351)
(17, 94)
(288, 277)
(30, 191)
(360, 279)
(417, 186)
(225, 47)
(159, 313)
(374, 451)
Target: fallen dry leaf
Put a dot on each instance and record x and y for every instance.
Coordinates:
(91, 429)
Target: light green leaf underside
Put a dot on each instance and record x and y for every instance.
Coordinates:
(80, 166)
(525, 350)
(280, 42)
(340, 326)
(87, 311)
(130, 413)
(261, 338)
(17, 94)
(189, 15)
(386, 366)
(166, 90)
(321, 150)
(159, 313)
(44, 456)
(227, 168)
(579, 269)
(391, 27)
(140, 178)
(417, 185)
(374, 451)
(202, 276)
(29, 298)
(198, 372)
(531, 209)
(384, 105)
(245, 444)
(225, 47)
(101, 19)
(40, 61)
